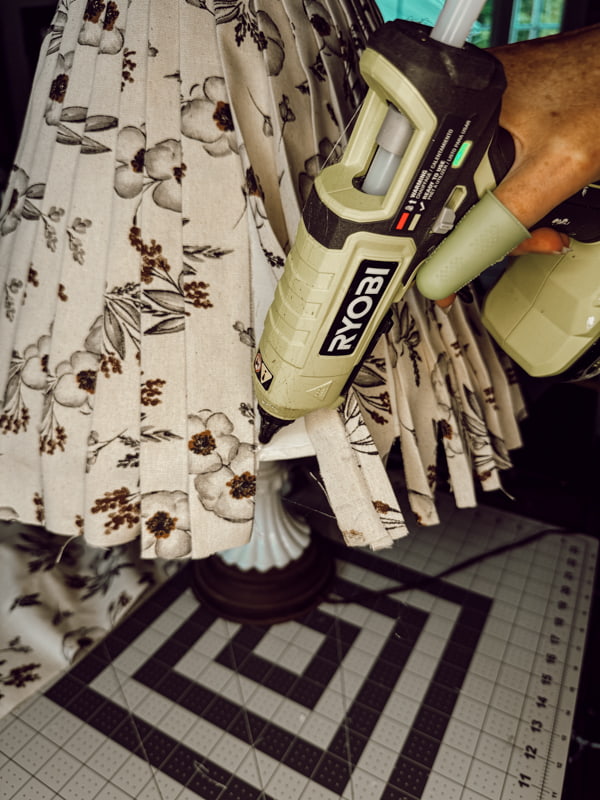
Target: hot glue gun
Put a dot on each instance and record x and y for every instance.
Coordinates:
(425, 150)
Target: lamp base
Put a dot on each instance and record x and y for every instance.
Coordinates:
(279, 594)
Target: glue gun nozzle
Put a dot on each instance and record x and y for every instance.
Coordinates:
(269, 425)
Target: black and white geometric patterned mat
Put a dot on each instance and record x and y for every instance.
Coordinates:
(462, 690)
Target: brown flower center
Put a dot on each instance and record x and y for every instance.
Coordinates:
(161, 524)
(137, 162)
(93, 10)
(202, 444)
(86, 380)
(446, 429)
(243, 485)
(222, 116)
(179, 172)
(58, 88)
(253, 183)
(112, 12)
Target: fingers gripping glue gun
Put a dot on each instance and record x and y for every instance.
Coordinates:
(426, 146)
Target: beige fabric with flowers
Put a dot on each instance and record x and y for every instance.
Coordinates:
(165, 157)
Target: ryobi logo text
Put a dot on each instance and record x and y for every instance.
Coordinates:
(366, 290)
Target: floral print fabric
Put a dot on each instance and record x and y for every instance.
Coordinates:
(166, 154)
(60, 597)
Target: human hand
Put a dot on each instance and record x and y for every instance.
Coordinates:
(551, 107)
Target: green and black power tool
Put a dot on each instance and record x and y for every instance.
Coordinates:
(426, 149)
(544, 311)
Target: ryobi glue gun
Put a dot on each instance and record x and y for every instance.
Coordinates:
(426, 146)
(426, 149)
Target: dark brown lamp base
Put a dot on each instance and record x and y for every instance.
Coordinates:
(276, 595)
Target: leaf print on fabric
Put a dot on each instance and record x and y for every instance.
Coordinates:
(124, 304)
(86, 144)
(25, 600)
(57, 27)
(201, 253)
(276, 261)
(448, 405)
(101, 31)
(19, 206)
(357, 432)
(21, 675)
(371, 375)
(130, 459)
(43, 550)
(15, 646)
(324, 27)
(105, 567)
(406, 334)
(225, 482)
(258, 26)
(120, 322)
(481, 438)
(206, 116)
(95, 447)
(166, 525)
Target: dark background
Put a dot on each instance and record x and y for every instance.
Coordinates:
(556, 475)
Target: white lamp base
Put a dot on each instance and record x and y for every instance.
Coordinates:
(281, 574)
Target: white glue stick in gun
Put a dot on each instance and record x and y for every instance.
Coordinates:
(425, 148)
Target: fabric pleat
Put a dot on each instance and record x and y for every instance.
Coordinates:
(165, 158)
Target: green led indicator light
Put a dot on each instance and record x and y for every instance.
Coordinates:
(461, 155)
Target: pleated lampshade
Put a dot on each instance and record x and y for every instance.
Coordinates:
(166, 154)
